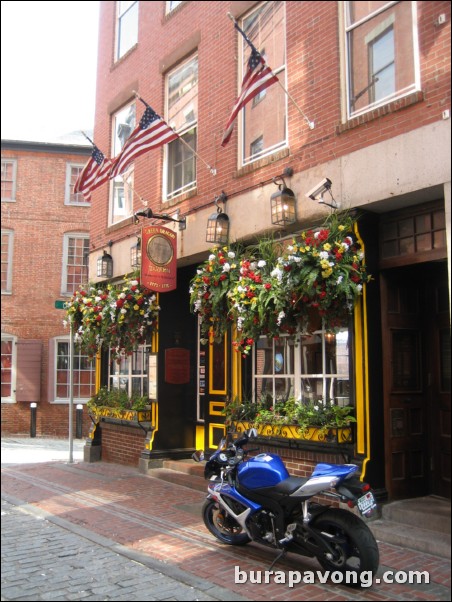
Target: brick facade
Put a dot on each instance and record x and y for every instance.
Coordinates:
(39, 219)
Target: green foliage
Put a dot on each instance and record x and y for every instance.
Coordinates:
(117, 398)
(271, 289)
(305, 414)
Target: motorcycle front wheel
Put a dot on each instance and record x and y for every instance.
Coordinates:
(223, 525)
(354, 546)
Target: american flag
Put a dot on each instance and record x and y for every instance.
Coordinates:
(150, 133)
(258, 77)
(95, 173)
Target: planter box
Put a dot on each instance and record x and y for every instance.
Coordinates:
(293, 431)
(141, 418)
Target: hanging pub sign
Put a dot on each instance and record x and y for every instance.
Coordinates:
(158, 259)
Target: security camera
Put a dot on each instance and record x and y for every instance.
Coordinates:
(316, 193)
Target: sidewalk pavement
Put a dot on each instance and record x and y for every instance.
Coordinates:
(75, 531)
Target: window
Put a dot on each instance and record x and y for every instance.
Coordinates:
(72, 173)
(127, 27)
(313, 368)
(121, 198)
(75, 261)
(7, 260)
(8, 369)
(170, 6)
(131, 374)
(382, 53)
(84, 373)
(265, 118)
(182, 111)
(8, 180)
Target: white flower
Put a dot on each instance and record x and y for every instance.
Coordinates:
(281, 315)
(359, 287)
(122, 296)
(226, 267)
(290, 248)
(231, 255)
(339, 280)
(134, 283)
(261, 263)
(323, 254)
(277, 273)
(212, 257)
(123, 311)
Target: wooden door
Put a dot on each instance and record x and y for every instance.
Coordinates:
(439, 377)
(416, 380)
(217, 387)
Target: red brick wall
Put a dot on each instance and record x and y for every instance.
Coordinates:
(121, 445)
(39, 219)
(313, 67)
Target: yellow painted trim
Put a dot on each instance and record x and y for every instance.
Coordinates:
(213, 426)
(199, 437)
(359, 382)
(155, 405)
(213, 391)
(97, 377)
(216, 412)
(363, 431)
(236, 367)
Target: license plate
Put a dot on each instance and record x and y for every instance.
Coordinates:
(366, 503)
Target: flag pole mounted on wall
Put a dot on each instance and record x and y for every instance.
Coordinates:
(310, 123)
(212, 170)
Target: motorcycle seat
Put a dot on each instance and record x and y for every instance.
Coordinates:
(289, 485)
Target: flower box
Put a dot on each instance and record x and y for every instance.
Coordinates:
(315, 434)
(141, 418)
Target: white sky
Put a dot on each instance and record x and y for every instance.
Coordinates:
(49, 63)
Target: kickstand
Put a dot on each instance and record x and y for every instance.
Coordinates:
(280, 555)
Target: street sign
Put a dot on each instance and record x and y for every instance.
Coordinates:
(60, 304)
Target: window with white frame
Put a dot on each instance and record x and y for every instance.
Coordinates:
(266, 117)
(70, 198)
(7, 261)
(310, 368)
(182, 112)
(131, 373)
(8, 368)
(126, 27)
(9, 167)
(170, 6)
(121, 197)
(75, 262)
(381, 52)
(84, 373)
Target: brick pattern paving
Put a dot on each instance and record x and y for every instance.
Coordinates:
(163, 520)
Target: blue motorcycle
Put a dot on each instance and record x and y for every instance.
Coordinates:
(256, 499)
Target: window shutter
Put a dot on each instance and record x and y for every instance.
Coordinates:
(29, 358)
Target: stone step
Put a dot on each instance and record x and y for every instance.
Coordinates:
(415, 538)
(185, 466)
(428, 512)
(192, 481)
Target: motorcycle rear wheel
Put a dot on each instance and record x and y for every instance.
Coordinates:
(223, 525)
(353, 543)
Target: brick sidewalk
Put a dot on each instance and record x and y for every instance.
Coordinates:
(163, 521)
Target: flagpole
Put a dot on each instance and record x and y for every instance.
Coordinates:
(311, 124)
(212, 170)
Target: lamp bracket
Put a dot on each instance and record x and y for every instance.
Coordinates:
(151, 215)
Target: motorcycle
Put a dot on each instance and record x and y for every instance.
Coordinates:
(255, 499)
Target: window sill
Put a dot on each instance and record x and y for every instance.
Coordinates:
(184, 196)
(250, 167)
(387, 109)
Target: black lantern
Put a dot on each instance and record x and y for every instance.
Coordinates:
(105, 264)
(283, 202)
(218, 224)
(135, 255)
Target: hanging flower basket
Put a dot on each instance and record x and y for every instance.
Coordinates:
(115, 316)
(273, 289)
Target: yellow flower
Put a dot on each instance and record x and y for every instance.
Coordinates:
(327, 272)
(136, 307)
(341, 227)
(327, 246)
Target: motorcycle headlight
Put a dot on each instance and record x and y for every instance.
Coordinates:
(211, 468)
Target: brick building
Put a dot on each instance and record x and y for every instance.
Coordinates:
(369, 111)
(45, 244)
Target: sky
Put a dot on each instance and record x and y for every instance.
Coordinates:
(48, 68)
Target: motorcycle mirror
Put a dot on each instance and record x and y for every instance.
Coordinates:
(198, 456)
(252, 433)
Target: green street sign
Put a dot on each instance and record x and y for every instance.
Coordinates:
(60, 304)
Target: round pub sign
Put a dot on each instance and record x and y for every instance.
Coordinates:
(158, 259)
